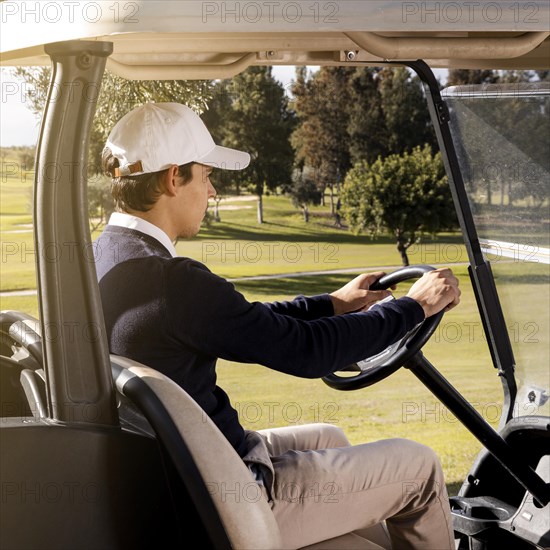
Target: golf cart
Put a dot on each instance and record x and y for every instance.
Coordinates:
(98, 451)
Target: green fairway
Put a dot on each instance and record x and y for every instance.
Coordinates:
(17, 248)
(239, 248)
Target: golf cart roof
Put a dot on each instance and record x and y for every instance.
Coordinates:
(204, 40)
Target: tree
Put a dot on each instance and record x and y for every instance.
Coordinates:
(458, 77)
(218, 108)
(321, 139)
(117, 97)
(406, 195)
(223, 182)
(406, 116)
(367, 124)
(303, 192)
(26, 156)
(100, 201)
(347, 115)
(216, 117)
(260, 123)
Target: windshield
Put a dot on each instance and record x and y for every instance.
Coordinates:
(502, 135)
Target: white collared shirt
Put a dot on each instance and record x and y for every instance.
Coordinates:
(133, 222)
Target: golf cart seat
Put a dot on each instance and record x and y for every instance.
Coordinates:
(228, 500)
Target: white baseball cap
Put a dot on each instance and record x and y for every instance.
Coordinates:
(155, 136)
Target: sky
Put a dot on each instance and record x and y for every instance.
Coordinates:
(19, 126)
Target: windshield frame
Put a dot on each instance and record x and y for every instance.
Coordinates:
(483, 284)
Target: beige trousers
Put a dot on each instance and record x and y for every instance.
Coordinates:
(321, 487)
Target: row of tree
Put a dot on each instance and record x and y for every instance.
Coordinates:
(367, 131)
(307, 143)
(251, 112)
(363, 134)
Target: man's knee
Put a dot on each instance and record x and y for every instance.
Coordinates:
(425, 472)
(413, 449)
(422, 460)
(333, 435)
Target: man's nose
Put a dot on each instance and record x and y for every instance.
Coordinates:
(211, 191)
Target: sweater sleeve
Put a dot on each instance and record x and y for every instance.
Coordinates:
(206, 312)
(303, 307)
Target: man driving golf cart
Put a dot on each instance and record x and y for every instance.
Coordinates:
(140, 445)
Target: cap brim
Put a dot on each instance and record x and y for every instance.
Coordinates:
(225, 158)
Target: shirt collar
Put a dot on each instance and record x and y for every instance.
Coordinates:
(122, 219)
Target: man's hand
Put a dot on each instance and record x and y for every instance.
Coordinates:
(356, 296)
(435, 291)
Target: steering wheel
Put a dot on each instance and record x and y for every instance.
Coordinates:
(380, 366)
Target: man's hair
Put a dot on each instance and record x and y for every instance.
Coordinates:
(137, 192)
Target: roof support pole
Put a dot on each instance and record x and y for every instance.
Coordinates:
(76, 356)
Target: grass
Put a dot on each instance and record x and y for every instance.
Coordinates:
(240, 247)
(17, 248)
(28, 304)
(399, 406)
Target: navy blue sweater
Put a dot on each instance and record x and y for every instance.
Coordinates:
(176, 316)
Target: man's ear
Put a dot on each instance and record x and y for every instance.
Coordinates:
(170, 180)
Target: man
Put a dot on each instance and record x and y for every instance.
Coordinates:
(172, 314)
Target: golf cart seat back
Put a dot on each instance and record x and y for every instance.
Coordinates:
(211, 469)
